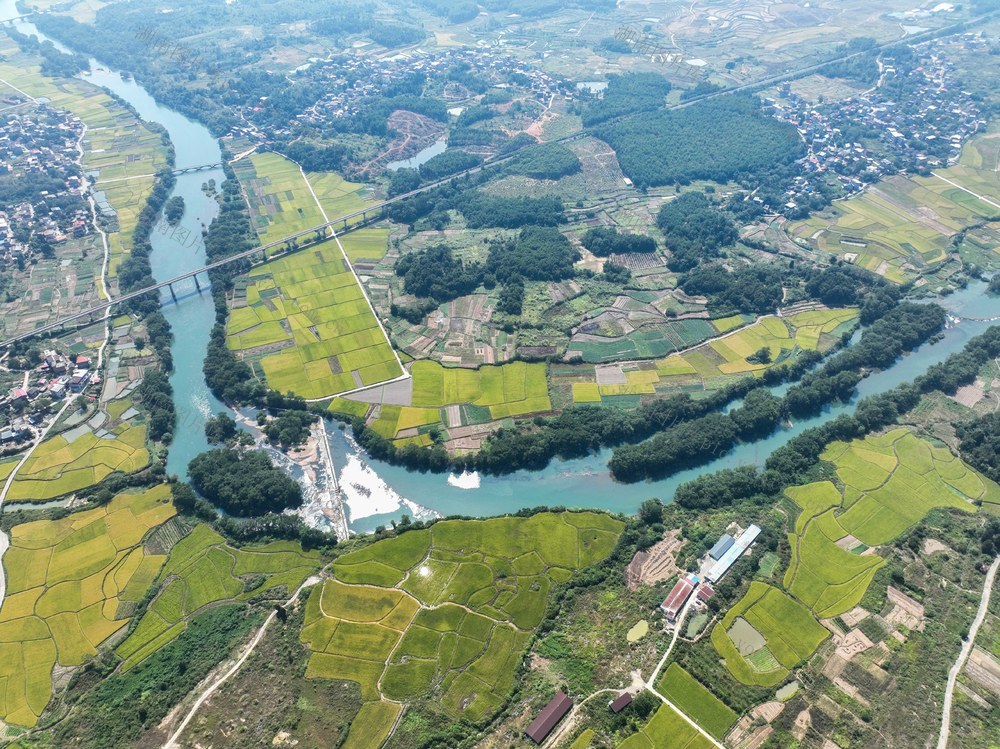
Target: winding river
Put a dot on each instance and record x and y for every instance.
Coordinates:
(377, 492)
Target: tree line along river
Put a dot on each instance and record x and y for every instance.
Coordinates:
(379, 488)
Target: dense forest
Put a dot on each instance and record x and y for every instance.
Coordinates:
(539, 253)
(750, 289)
(605, 240)
(694, 230)
(448, 163)
(483, 210)
(243, 482)
(980, 443)
(722, 140)
(628, 94)
(546, 161)
(436, 274)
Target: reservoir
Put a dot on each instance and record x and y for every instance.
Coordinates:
(421, 157)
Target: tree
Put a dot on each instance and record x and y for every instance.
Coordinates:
(220, 428)
(243, 483)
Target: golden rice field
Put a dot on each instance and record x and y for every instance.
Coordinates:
(58, 467)
(71, 584)
(309, 327)
(720, 360)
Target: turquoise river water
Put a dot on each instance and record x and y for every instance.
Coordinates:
(579, 483)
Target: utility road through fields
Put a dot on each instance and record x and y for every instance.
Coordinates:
(970, 641)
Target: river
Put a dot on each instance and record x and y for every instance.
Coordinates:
(192, 315)
(376, 491)
(586, 482)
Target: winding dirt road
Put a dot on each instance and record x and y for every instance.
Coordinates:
(970, 641)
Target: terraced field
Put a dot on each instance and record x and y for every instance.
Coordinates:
(666, 730)
(904, 225)
(724, 359)
(447, 611)
(71, 584)
(58, 467)
(890, 483)
(203, 570)
(304, 323)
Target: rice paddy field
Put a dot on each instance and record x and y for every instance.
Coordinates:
(61, 466)
(281, 202)
(719, 361)
(765, 634)
(666, 730)
(305, 325)
(645, 343)
(455, 397)
(117, 145)
(71, 584)
(696, 701)
(445, 612)
(886, 484)
(278, 194)
(903, 226)
(340, 197)
(201, 571)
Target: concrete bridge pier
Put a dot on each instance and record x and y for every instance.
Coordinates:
(196, 284)
(172, 294)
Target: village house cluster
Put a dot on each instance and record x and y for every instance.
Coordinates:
(26, 408)
(917, 113)
(353, 82)
(40, 182)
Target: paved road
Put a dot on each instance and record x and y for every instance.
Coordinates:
(984, 605)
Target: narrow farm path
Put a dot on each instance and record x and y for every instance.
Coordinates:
(651, 683)
(970, 641)
(172, 742)
(966, 189)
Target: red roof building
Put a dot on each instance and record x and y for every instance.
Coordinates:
(620, 702)
(542, 726)
(675, 601)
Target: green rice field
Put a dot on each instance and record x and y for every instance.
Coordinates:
(71, 584)
(720, 361)
(58, 467)
(765, 634)
(490, 393)
(666, 730)
(446, 611)
(887, 484)
(696, 701)
(309, 326)
(202, 570)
